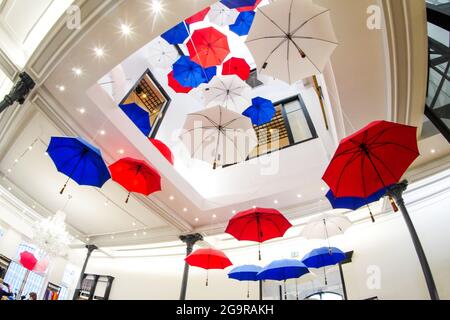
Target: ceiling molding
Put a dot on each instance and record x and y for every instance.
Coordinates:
(8, 67)
(58, 42)
(407, 50)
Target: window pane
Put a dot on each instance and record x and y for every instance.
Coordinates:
(299, 126)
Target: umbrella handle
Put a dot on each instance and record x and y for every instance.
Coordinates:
(128, 198)
(393, 204)
(64, 187)
(207, 278)
(371, 214)
(259, 251)
(248, 289)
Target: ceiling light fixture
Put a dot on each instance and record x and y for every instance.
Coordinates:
(171, 198)
(156, 7)
(214, 216)
(134, 224)
(121, 151)
(99, 52)
(299, 196)
(135, 234)
(233, 212)
(82, 110)
(197, 219)
(323, 188)
(77, 71)
(125, 29)
(144, 233)
(30, 147)
(275, 201)
(433, 151)
(61, 88)
(102, 132)
(185, 209)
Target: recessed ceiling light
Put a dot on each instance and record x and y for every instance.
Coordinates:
(16, 160)
(46, 153)
(134, 224)
(82, 110)
(254, 207)
(33, 206)
(275, 201)
(157, 6)
(214, 216)
(30, 147)
(9, 188)
(144, 233)
(185, 209)
(135, 234)
(299, 195)
(171, 198)
(121, 151)
(77, 71)
(106, 203)
(125, 29)
(233, 212)
(61, 88)
(433, 151)
(144, 96)
(102, 132)
(323, 188)
(112, 237)
(99, 52)
(197, 219)
(87, 239)
(9, 170)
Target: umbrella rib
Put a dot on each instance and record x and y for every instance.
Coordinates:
(300, 51)
(266, 37)
(371, 154)
(313, 38)
(382, 144)
(206, 117)
(309, 20)
(275, 49)
(271, 20)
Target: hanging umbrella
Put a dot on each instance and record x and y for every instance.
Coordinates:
(249, 8)
(177, 34)
(229, 92)
(138, 116)
(326, 225)
(79, 161)
(135, 176)
(208, 259)
(28, 260)
(199, 16)
(245, 273)
(164, 149)
(233, 4)
(175, 85)
(292, 39)
(221, 15)
(373, 158)
(161, 54)
(191, 74)
(258, 225)
(261, 111)
(376, 157)
(218, 136)
(354, 203)
(208, 47)
(243, 23)
(236, 66)
(323, 257)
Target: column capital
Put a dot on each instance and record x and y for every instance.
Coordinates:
(191, 239)
(396, 190)
(91, 248)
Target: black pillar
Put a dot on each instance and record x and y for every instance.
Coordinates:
(190, 240)
(19, 92)
(90, 248)
(396, 192)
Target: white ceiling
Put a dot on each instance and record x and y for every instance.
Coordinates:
(356, 79)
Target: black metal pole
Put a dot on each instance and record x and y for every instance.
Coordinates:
(90, 248)
(260, 290)
(344, 287)
(396, 192)
(190, 240)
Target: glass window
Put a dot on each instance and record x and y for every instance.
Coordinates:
(64, 293)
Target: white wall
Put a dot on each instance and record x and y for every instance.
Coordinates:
(384, 245)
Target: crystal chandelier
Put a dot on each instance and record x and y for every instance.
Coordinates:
(51, 236)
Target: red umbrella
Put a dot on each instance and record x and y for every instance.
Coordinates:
(373, 158)
(237, 66)
(175, 85)
(135, 176)
(199, 16)
(208, 259)
(258, 225)
(249, 8)
(208, 47)
(28, 260)
(165, 151)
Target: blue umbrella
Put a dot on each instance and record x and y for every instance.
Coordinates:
(232, 4)
(261, 111)
(79, 160)
(139, 116)
(245, 273)
(323, 257)
(354, 203)
(191, 74)
(177, 34)
(243, 23)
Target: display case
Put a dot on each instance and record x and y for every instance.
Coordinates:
(95, 287)
(52, 292)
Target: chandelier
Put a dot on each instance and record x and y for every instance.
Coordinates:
(51, 236)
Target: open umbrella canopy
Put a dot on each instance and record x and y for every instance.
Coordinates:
(281, 270)
(243, 23)
(199, 16)
(161, 54)
(163, 149)
(218, 136)
(353, 203)
(229, 92)
(79, 161)
(323, 257)
(136, 176)
(233, 4)
(292, 39)
(236, 66)
(208, 259)
(325, 226)
(245, 273)
(222, 15)
(138, 116)
(249, 8)
(371, 159)
(191, 74)
(259, 224)
(28, 260)
(261, 111)
(208, 47)
(175, 85)
(177, 34)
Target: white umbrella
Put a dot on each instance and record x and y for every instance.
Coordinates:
(292, 39)
(326, 225)
(229, 92)
(222, 15)
(161, 54)
(218, 136)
